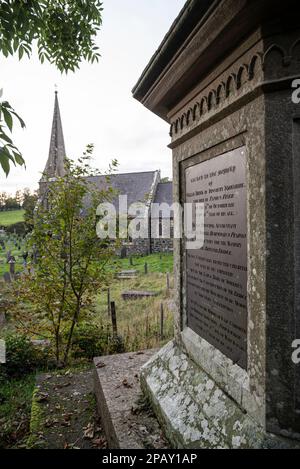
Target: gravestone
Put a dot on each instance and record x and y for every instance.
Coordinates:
(7, 277)
(123, 252)
(223, 80)
(127, 274)
(138, 295)
(12, 264)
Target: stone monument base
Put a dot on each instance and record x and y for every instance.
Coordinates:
(194, 411)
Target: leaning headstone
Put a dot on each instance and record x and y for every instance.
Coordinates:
(231, 379)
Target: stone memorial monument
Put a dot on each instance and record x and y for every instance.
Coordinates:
(224, 79)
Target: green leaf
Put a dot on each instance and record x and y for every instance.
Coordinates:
(4, 161)
(8, 118)
(22, 123)
(19, 159)
(5, 137)
(16, 44)
(21, 52)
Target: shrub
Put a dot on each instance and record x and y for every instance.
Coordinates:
(18, 228)
(89, 341)
(23, 357)
(117, 345)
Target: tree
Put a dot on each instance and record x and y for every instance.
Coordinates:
(29, 204)
(64, 31)
(71, 259)
(11, 203)
(19, 198)
(3, 198)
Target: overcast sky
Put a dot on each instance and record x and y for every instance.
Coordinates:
(96, 102)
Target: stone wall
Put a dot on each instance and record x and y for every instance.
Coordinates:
(161, 245)
(139, 247)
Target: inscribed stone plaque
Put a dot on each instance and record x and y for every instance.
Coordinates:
(217, 273)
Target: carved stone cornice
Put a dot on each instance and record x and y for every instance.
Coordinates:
(231, 85)
(277, 64)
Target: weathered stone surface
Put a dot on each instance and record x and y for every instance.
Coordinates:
(125, 416)
(193, 409)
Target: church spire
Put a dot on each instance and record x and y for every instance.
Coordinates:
(55, 166)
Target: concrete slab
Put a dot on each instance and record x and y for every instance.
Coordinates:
(126, 418)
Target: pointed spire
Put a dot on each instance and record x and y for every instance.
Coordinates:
(55, 166)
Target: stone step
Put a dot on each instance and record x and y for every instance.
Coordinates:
(127, 421)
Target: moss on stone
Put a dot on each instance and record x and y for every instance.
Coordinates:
(36, 423)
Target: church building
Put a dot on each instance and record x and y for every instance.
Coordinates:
(146, 187)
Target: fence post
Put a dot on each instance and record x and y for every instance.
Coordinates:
(147, 327)
(168, 282)
(161, 321)
(108, 302)
(114, 318)
(146, 268)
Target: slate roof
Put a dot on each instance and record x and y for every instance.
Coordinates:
(137, 186)
(164, 193)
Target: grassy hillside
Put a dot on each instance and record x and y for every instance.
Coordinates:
(9, 218)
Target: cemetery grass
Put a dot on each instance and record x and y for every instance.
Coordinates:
(11, 217)
(162, 263)
(15, 407)
(138, 321)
